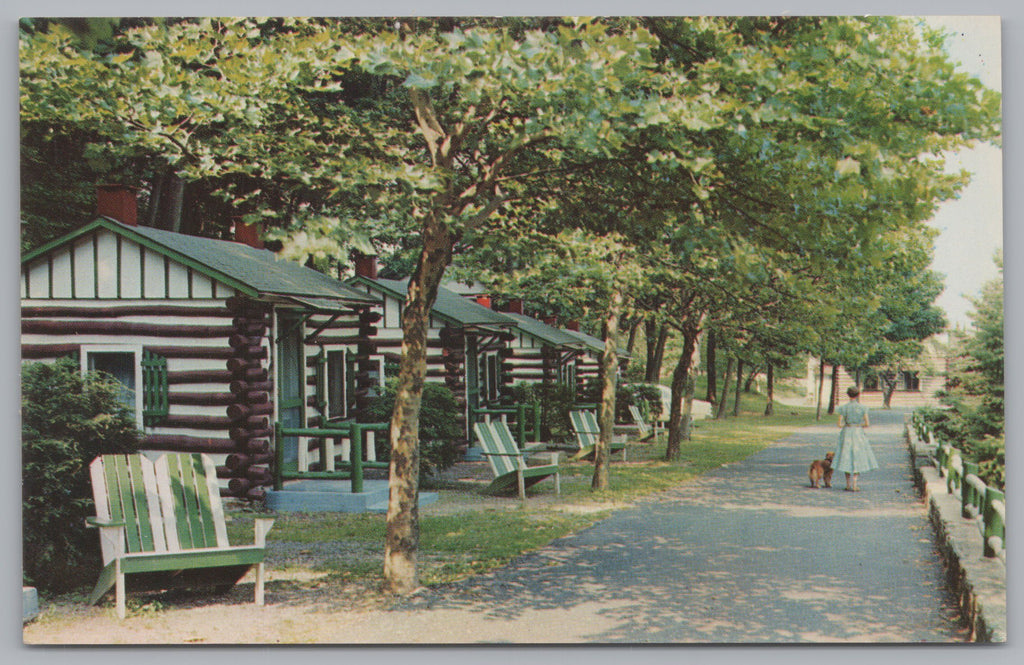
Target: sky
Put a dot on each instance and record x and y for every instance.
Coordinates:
(971, 227)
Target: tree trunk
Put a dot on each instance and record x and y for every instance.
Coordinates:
(656, 337)
(739, 387)
(402, 529)
(888, 379)
(175, 196)
(631, 340)
(720, 411)
(712, 371)
(833, 393)
(748, 385)
(659, 358)
(769, 408)
(691, 387)
(681, 384)
(609, 370)
(155, 196)
(821, 384)
(651, 338)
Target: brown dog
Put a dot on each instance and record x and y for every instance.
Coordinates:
(821, 470)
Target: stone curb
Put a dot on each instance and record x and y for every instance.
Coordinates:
(979, 582)
(29, 604)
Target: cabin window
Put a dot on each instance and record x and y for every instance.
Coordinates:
(132, 368)
(490, 381)
(567, 375)
(337, 380)
(121, 366)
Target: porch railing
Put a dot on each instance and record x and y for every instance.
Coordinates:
(527, 419)
(361, 438)
(986, 505)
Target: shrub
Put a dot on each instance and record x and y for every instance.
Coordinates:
(643, 395)
(951, 427)
(440, 427)
(555, 402)
(66, 421)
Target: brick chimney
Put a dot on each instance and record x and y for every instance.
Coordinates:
(573, 325)
(514, 306)
(366, 265)
(118, 202)
(248, 234)
(551, 321)
(484, 299)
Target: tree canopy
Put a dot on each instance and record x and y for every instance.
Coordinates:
(764, 177)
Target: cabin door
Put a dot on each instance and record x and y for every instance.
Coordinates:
(290, 393)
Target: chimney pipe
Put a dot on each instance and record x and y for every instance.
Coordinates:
(366, 266)
(118, 203)
(248, 234)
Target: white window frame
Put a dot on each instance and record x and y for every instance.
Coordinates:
(136, 351)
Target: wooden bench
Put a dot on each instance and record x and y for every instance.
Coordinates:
(162, 523)
(508, 462)
(644, 429)
(585, 427)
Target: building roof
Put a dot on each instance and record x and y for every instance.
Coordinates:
(448, 305)
(593, 343)
(544, 332)
(256, 272)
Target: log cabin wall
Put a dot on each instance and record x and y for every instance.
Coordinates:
(339, 348)
(105, 294)
(187, 325)
(588, 375)
(446, 349)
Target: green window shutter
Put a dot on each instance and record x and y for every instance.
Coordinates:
(351, 368)
(155, 405)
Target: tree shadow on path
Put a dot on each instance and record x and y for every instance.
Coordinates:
(748, 553)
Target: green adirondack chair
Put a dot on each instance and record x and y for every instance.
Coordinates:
(585, 427)
(162, 523)
(508, 462)
(643, 428)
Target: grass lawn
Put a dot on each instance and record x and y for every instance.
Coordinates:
(467, 532)
(339, 556)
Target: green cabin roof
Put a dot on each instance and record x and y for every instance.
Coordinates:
(544, 332)
(255, 272)
(593, 343)
(448, 305)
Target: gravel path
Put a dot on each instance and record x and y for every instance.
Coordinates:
(746, 554)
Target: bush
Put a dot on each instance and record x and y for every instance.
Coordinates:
(66, 421)
(555, 402)
(643, 395)
(440, 427)
(950, 427)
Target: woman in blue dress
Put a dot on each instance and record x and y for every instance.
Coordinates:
(855, 455)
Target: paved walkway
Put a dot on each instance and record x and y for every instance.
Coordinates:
(746, 554)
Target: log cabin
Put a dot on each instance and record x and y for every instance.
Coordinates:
(467, 342)
(212, 340)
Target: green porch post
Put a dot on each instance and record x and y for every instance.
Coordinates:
(356, 452)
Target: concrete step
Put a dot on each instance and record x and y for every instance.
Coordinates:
(306, 496)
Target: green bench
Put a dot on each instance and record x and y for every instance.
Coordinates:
(508, 462)
(585, 427)
(162, 523)
(643, 428)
